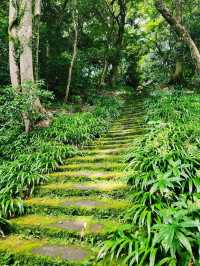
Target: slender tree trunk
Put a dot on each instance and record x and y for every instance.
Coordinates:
(37, 15)
(104, 73)
(75, 50)
(177, 75)
(13, 43)
(181, 31)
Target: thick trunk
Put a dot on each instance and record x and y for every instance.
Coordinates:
(181, 31)
(26, 35)
(20, 51)
(13, 43)
(75, 21)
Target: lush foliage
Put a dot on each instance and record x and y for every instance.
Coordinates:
(26, 158)
(164, 178)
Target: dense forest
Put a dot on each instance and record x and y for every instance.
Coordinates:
(99, 132)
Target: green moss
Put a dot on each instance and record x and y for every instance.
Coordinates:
(60, 202)
(22, 250)
(50, 225)
(77, 206)
(106, 186)
(105, 151)
(93, 166)
(86, 174)
(97, 158)
(113, 189)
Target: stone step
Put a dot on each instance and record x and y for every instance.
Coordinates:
(86, 175)
(97, 158)
(104, 166)
(100, 146)
(120, 138)
(46, 251)
(79, 227)
(77, 205)
(115, 136)
(83, 189)
(110, 151)
(120, 131)
(108, 141)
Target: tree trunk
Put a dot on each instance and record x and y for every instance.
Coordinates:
(104, 73)
(75, 22)
(177, 75)
(26, 35)
(37, 15)
(13, 45)
(121, 21)
(20, 51)
(181, 31)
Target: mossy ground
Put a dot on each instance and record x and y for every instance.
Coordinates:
(79, 206)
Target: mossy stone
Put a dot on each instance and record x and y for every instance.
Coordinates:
(71, 253)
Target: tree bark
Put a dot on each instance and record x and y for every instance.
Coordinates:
(75, 50)
(26, 35)
(121, 20)
(37, 15)
(104, 73)
(177, 75)
(20, 52)
(181, 31)
(13, 43)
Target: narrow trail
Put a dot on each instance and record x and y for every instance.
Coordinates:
(80, 204)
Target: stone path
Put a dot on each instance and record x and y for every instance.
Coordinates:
(80, 204)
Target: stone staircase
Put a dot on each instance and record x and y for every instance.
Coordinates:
(80, 205)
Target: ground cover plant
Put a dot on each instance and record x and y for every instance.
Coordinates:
(25, 159)
(163, 226)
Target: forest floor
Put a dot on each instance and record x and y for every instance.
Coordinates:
(68, 217)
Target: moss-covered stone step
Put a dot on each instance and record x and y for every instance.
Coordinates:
(104, 146)
(110, 151)
(120, 139)
(123, 135)
(86, 175)
(110, 141)
(83, 189)
(78, 205)
(106, 166)
(44, 252)
(79, 227)
(96, 158)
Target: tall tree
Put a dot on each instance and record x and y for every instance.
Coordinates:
(118, 10)
(21, 53)
(75, 48)
(181, 31)
(37, 15)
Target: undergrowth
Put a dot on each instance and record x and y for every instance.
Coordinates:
(26, 158)
(163, 226)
